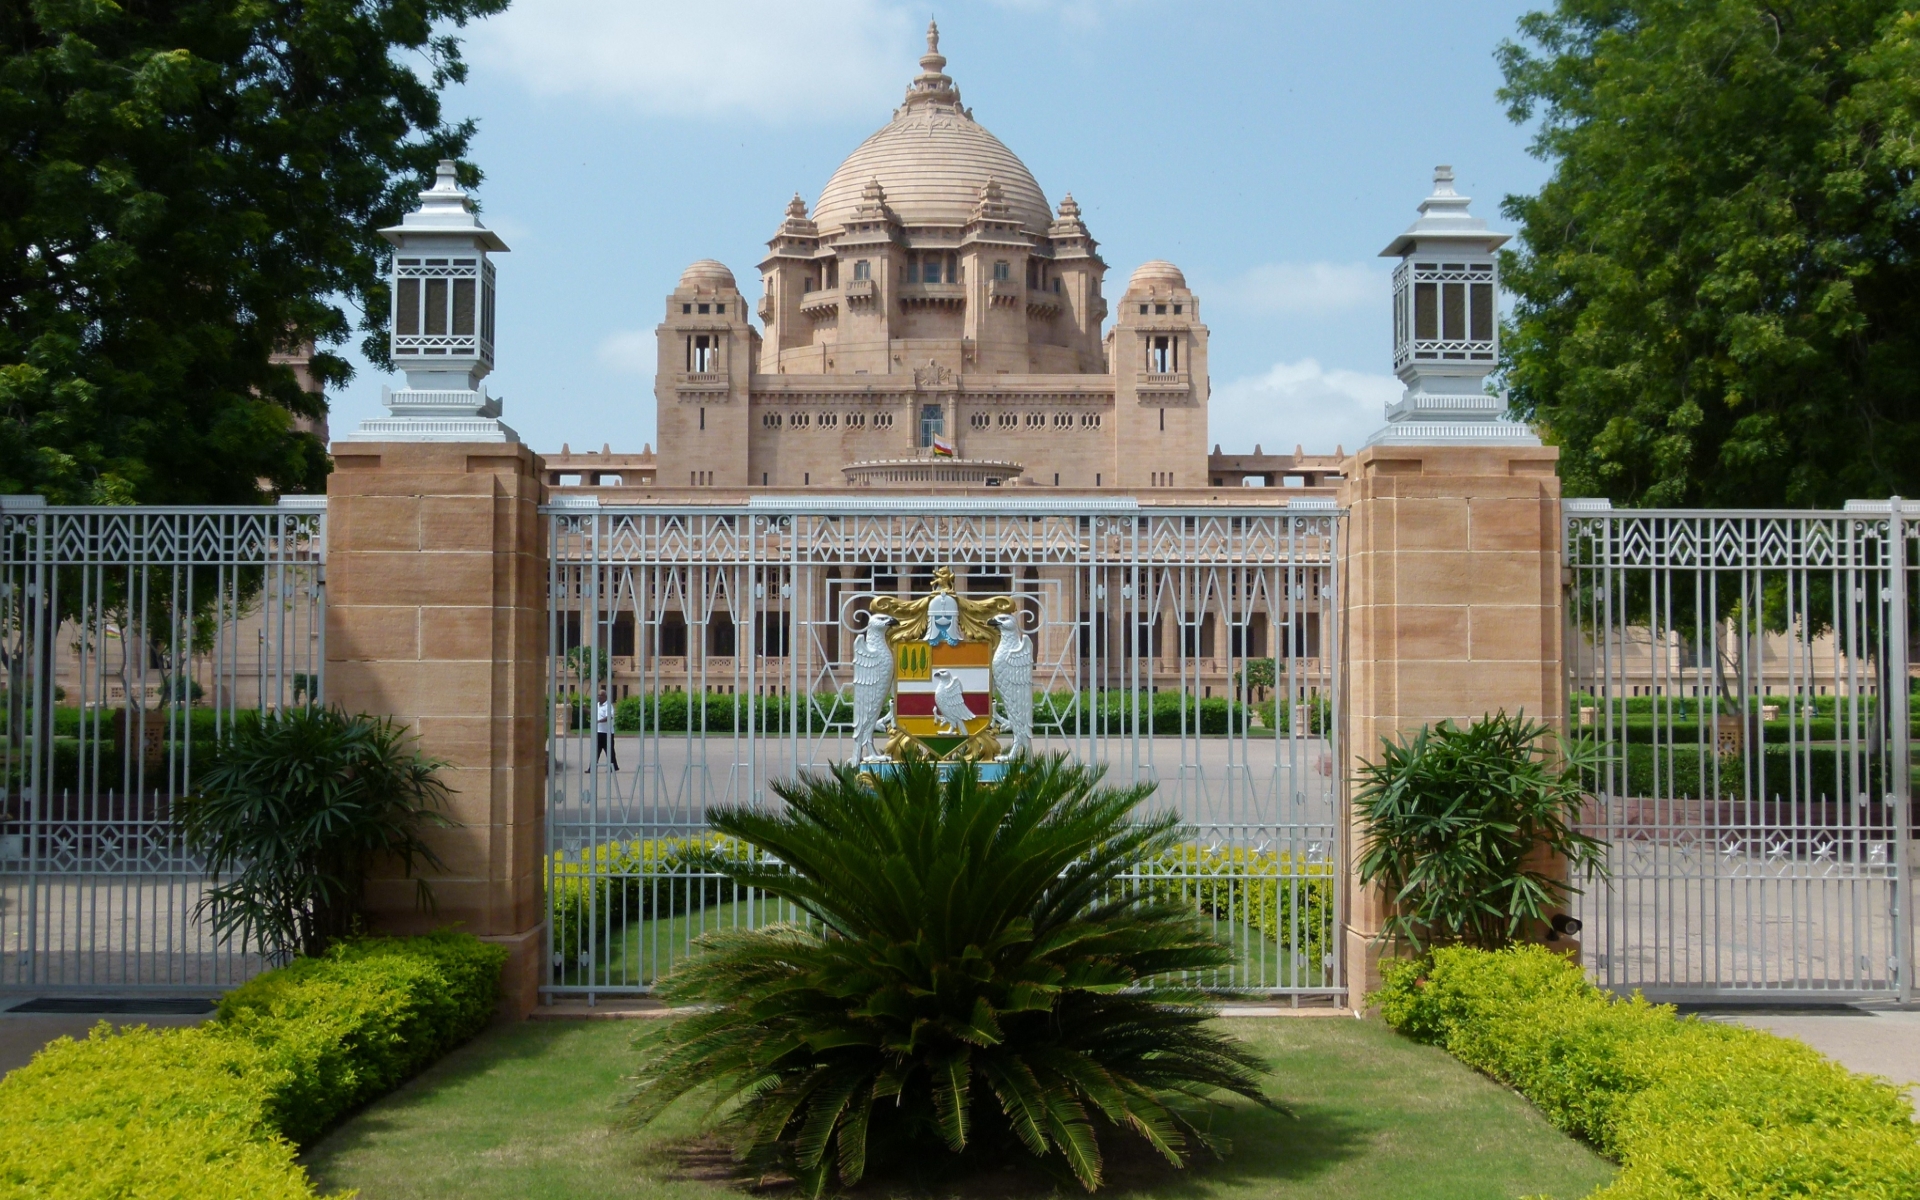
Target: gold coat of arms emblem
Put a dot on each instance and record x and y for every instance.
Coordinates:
(944, 677)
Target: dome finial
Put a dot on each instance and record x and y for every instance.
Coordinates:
(932, 86)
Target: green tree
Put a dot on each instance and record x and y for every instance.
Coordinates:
(189, 187)
(1718, 294)
(978, 977)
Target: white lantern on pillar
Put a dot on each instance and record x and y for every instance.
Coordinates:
(441, 330)
(1446, 329)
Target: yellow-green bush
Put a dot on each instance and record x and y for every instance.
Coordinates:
(216, 1111)
(1691, 1109)
(613, 883)
(180, 1114)
(1288, 901)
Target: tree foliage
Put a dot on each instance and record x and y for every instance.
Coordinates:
(292, 810)
(1718, 298)
(189, 187)
(1458, 823)
(972, 983)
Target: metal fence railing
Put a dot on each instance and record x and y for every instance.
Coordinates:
(130, 638)
(1749, 675)
(1195, 648)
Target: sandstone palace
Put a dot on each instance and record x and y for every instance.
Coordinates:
(934, 322)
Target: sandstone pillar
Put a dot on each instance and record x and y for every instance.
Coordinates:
(1453, 606)
(436, 616)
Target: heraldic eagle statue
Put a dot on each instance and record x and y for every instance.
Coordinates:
(1013, 681)
(950, 702)
(872, 683)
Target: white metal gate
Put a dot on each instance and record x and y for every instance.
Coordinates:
(130, 637)
(723, 637)
(1750, 676)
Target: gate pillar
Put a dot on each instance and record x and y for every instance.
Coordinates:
(436, 616)
(1453, 605)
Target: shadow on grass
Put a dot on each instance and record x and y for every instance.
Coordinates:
(498, 1047)
(1267, 1146)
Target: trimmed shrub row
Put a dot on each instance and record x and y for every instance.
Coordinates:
(1691, 732)
(603, 890)
(1803, 774)
(1688, 1108)
(597, 893)
(218, 1111)
(1110, 712)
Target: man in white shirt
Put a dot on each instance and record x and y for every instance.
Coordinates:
(603, 732)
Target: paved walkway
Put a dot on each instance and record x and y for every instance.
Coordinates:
(1870, 1039)
(23, 1034)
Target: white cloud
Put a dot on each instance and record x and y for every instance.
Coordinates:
(770, 59)
(631, 352)
(1305, 289)
(1299, 403)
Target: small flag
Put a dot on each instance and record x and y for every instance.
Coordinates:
(942, 448)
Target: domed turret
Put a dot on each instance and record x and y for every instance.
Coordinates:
(1158, 273)
(707, 275)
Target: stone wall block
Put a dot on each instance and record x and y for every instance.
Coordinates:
(1453, 611)
(446, 542)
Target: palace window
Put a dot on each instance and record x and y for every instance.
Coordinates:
(980, 420)
(883, 420)
(856, 420)
(1002, 270)
(703, 353)
(704, 308)
(829, 420)
(686, 308)
(1160, 310)
(1090, 420)
(930, 270)
(1036, 420)
(932, 423)
(798, 420)
(1063, 420)
(770, 420)
(720, 308)
(862, 269)
(1143, 310)
(1056, 285)
(1009, 420)
(1176, 310)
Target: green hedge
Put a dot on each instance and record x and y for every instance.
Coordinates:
(1065, 713)
(1806, 773)
(1689, 1108)
(711, 712)
(1073, 714)
(217, 1111)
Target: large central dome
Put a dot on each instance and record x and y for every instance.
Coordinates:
(932, 161)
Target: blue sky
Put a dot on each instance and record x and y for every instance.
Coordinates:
(1269, 149)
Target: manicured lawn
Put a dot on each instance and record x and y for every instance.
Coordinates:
(532, 1111)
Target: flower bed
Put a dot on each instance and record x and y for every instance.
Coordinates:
(1689, 1108)
(217, 1111)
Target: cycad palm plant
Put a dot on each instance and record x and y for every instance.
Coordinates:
(972, 975)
